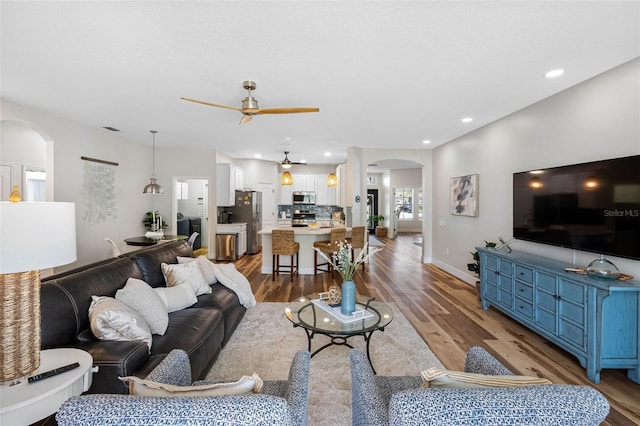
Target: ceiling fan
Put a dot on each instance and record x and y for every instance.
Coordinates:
(286, 163)
(250, 105)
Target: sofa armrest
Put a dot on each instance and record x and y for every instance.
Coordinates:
(482, 362)
(529, 405)
(122, 410)
(368, 405)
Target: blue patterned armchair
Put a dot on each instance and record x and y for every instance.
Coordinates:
(282, 402)
(385, 400)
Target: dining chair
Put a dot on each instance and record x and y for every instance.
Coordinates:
(114, 247)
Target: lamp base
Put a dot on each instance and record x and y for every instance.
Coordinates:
(19, 325)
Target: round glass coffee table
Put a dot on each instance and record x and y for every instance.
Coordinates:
(315, 316)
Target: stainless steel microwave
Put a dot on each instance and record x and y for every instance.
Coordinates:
(304, 197)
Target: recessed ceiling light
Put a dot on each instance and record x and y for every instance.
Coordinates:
(327, 154)
(554, 73)
(467, 120)
(258, 156)
(303, 161)
(426, 141)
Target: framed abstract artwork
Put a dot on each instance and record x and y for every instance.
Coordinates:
(464, 195)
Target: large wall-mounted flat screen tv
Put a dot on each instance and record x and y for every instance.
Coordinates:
(591, 206)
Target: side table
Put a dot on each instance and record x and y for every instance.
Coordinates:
(26, 403)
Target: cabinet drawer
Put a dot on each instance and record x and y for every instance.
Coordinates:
(524, 274)
(524, 291)
(524, 307)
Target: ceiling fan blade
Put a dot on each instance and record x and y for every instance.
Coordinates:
(285, 110)
(245, 119)
(211, 104)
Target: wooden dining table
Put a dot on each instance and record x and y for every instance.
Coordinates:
(143, 241)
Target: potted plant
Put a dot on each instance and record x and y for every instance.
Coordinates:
(375, 220)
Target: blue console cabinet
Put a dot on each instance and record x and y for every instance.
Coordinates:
(598, 321)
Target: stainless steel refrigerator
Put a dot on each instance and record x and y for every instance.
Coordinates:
(248, 208)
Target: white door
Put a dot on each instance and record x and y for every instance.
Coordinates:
(268, 204)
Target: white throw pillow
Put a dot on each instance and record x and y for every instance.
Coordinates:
(176, 298)
(140, 387)
(139, 296)
(205, 265)
(437, 378)
(113, 320)
(185, 274)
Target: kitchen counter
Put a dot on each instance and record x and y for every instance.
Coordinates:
(303, 235)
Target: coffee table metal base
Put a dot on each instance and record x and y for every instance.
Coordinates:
(338, 340)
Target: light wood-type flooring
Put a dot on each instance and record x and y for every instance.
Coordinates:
(446, 312)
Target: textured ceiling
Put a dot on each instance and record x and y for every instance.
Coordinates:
(385, 74)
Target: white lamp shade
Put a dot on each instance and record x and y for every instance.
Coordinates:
(36, 236)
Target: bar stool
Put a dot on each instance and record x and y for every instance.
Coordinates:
(328, 247)
(357, 240)
(282, 243)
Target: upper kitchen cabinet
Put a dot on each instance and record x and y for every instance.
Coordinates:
(304, 183)
(230, 179)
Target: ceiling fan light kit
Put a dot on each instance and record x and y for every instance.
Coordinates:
(250, 105)
(153, 187)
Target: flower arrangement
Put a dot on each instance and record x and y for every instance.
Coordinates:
(341, 258)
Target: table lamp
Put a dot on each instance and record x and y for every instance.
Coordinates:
(33, 236)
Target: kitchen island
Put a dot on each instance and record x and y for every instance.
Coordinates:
(306, 237)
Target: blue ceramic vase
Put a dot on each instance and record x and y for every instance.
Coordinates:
(348, 303)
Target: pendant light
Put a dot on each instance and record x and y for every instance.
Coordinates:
(332, 179)
(153, 187)
(286, 179)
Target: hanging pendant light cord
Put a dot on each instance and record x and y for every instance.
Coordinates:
(153, 173)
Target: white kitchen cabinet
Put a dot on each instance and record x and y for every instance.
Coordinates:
(229, 179)
(303, 182)
(286, 195)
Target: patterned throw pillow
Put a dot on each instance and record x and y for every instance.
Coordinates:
(139, 296)
(185, 274)
(113, 320)
(437, 378)
(140, 387)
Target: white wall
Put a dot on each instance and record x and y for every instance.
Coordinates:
(598, 119)
(72, 140)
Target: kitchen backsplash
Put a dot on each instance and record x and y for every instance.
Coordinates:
(322, 212)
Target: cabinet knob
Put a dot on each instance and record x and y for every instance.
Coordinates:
(496, 272)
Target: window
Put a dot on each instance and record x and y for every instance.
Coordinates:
(404, 203)
(407, 202)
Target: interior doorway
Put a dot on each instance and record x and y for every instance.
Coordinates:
(372, 208)
(191, 197)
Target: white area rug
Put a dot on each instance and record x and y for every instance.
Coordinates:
(265, 342)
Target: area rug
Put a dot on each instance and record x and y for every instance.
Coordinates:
(266, 341)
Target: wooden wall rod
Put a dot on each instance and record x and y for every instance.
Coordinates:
(111, 163)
